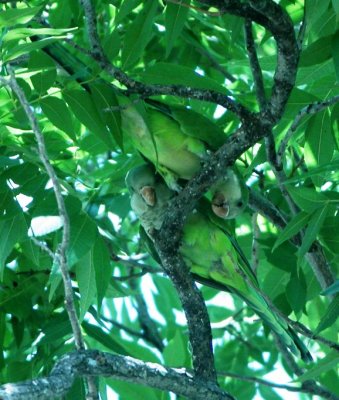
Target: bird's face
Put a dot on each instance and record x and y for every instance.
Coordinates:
(227, 208)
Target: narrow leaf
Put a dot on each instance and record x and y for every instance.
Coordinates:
(102, 337)
(335, 53)
(319, 144)
(330, 317)
(102, 267)
(324, 365)
(138, 35)
(21, 33)
(15, 16)
(58, 113)
(292, 228)
(106, 102)
(175, 17)
(83, 234)
(312, 230)
(85, 272)
(85, 110)
(12, 231)
(27, 48)
(307, 199)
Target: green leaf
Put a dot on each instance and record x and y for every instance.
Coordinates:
(15, 16)
(268, 393)
(330, 317)
(106, 102)
(58, 113)
(330, 234)
(138, 35)
(21, 33)
(307, 199)
(54, 280)
(85, 273)
(319, 144)
(44, 79)
(175, 353)
(317, 52)
(292, 228)
(296, 291)
(164, 73)
(324, 365)
(83, 234)
(81, 103)
(314, 226)
(104, 338)
(335, 4)
(12, 231)
(175, 18)
(126, 7)
(335, 52)
(27, 48)
(102, 266)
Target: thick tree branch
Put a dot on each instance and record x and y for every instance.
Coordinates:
(255, 66)
(128, 369)
(200, 334)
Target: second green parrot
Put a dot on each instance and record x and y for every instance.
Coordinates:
(207, 250)
(177, 140)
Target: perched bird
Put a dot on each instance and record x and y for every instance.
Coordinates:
(208, 251)
(177, 140)
(229, 195)
(149, 196)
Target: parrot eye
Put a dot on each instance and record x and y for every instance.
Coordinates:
(240, 204)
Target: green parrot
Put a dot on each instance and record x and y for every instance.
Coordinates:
(177, 140)
(229, 195)
(207, 250)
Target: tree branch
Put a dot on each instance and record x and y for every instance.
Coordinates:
(61, 254)
(128, 369)
(200, 334)
(300, 389)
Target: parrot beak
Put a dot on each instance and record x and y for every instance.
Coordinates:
(148, 194)
(220, 208)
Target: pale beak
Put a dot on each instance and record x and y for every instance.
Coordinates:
(220, 208)
(148, 194)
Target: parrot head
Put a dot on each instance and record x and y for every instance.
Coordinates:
(149, 196)
(229, 196)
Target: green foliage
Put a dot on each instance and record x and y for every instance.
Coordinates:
(76, 104)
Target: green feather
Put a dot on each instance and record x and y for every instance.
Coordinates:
(212, 254)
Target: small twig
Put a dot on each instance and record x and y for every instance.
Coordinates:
(255, 244)
(43, 246)
(308, 110)
(61, 252)
(60, 255)
(309, 386)
(259, 381)
(255, 66)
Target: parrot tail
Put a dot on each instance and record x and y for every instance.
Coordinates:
(278, 325)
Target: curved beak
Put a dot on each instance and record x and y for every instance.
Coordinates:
(219, 206)
(148, 194)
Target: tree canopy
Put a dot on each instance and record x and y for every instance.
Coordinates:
(87, 309)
